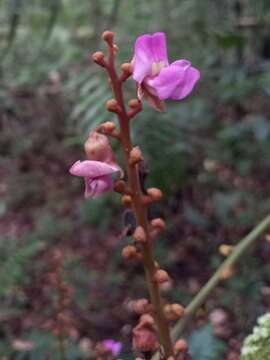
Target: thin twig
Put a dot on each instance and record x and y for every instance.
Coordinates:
(203, 294)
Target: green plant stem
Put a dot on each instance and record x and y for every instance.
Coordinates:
(203, 294)
(140, 210)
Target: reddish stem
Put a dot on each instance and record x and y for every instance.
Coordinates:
(139, 207)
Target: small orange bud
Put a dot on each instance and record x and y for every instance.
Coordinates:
(180, 346)
(146, 320)
(267, 238)
(139, 234)
(112, 106)
(98, 58)
(129, 252)
(178, 310)
(108, 37)
(126, 68)
(126, 200)
(154, 193)
(225, 249)
(107, 127)
(135, 155)
(140, 306)
(161, 276)
(120, 186)
(226, 273)
(134, 103)
(158, 223)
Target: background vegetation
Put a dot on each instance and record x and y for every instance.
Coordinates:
(210, 156)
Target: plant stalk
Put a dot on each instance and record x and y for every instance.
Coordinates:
(140, 210)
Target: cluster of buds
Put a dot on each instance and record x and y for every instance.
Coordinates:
(61, 323)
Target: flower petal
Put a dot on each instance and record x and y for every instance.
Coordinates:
(98, 186)
(149, 49)
(176, 81)
(92, 169)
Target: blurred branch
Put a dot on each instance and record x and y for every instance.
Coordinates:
(54, 7)
(114, 13)
(203, 294)
(14, 21)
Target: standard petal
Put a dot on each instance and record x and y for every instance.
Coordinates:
(92, 169)
(176, 81)
(96, 187)
(148, 49)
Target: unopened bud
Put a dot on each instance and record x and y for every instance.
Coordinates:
(144, 340)
(112, 106)
(120, 186)
(226, 273)
(173, 311)
(108, 37)
(98, 58)
(225, 249)
(161, 276)
(140, 306)
(139, 234)
(180, 346)
(126, 68)
(134, 103)
(267, 238)
(107, 127)
(146, 320)
(154, 193)
(135, 155)
(129, 252)
(126, 200)
(158, 223)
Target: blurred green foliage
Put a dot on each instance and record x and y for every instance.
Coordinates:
(210, 154)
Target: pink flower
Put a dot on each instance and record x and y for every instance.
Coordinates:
(157, 79)
(113, 346)
(97, 176)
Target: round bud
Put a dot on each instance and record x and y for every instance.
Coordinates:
(126, 200)
(139, 234)
(135, 155)
(120, 186)
(158, 223)
(134, 103)
(108, 37)
(180, 346)
(161, 276)
(178, 310)
(146, 320)
(108, 127)
(226, 273)
(154, 193)
(112, 106)
(126, 68)
(129, 252)
(225, 249)
(140, 306)
(98, 57)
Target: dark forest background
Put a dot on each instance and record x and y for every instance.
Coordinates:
(210, 155)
